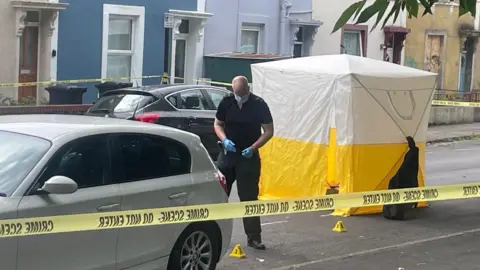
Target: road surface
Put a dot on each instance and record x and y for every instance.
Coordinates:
(444, 236)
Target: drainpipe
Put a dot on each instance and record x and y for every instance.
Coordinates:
(477, 17)
(476, 25)
(284, 6)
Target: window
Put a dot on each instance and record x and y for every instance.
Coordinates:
(120, 103)
(298, 45)
(32, 17)
(21, 154)
(123, 32)
(184, 27)
(173, 100)
(216, 96)
(149, 157)
(85, 161)
(354, 40)
(192, 100)
(251, 38)
(352, 43)
(119, 61)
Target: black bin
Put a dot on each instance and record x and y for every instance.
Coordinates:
(111, 85)
(66, 94)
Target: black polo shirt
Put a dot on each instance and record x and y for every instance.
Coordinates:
(243, 126)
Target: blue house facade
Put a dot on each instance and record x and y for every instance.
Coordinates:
(282, 27)
(129, 38)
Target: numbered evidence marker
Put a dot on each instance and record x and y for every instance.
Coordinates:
(237, 252)
(339, 227)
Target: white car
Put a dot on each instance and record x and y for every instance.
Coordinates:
(107, 165)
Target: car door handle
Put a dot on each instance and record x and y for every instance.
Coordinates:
(108, 207)
(178, 195)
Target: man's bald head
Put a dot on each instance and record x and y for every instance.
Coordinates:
(240, 85)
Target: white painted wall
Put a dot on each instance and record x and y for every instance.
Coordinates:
(54, 46)
(329, 11)
(200, 48)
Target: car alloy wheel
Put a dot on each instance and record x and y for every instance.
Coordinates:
(197, 252)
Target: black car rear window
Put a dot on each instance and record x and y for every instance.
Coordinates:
(121, 102)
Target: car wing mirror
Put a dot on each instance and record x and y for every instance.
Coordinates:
(59, 185)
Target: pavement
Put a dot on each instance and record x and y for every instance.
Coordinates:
(443, 236)
(446, 132)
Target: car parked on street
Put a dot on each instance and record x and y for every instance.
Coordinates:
(187, 107)
(65, 164)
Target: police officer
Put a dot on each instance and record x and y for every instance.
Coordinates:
(238, 124)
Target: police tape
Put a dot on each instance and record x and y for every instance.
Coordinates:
(201, 213)
(47, 83)
(198, 81)
(455, 103)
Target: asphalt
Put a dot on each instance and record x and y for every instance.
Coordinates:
(443, 236)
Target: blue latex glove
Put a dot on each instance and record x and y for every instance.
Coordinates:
(248, 152)
(229, 145)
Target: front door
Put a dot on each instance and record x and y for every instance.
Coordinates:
(28, 62)
(180, 60)
(463, 67)
(433, 56)
(197, 114)
(154, 173)
(215, 96)
(87, 162)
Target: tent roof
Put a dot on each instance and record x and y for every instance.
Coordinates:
(343, 64)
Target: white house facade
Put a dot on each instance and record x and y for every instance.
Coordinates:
(281, 27)
(382, 44)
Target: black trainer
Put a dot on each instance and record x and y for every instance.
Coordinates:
(256, 244)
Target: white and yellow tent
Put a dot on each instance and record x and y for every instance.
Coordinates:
(340, 120)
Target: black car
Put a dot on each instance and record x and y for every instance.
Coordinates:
(188, 107)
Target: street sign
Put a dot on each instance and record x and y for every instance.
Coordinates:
(168, 20)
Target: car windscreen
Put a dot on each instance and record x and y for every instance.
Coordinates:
(119, 103)
(20, 154)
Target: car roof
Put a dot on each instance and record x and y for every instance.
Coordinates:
(166, 89)
(52, 126)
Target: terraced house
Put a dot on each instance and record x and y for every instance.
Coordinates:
(46, 40)
(362, 40)
(28, 36)
(446, 44)
(243, 32)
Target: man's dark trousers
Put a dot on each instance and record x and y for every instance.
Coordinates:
(247, 173)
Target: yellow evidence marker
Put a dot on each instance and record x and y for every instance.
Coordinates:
(237, 252)
(339, 227)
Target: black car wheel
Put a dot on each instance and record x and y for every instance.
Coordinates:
(197, 248)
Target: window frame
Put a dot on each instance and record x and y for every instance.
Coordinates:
(362, 30)
(253, 27)
(117, 157)
(184, 38)
(137, 15)
(210, 100)
(177, 97)
(299, 42)
(108, 178)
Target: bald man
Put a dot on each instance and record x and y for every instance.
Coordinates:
(238, 124)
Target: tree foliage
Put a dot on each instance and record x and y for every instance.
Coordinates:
(361, 14)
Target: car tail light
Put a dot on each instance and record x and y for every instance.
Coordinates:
(147, 117)
(222, 180)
